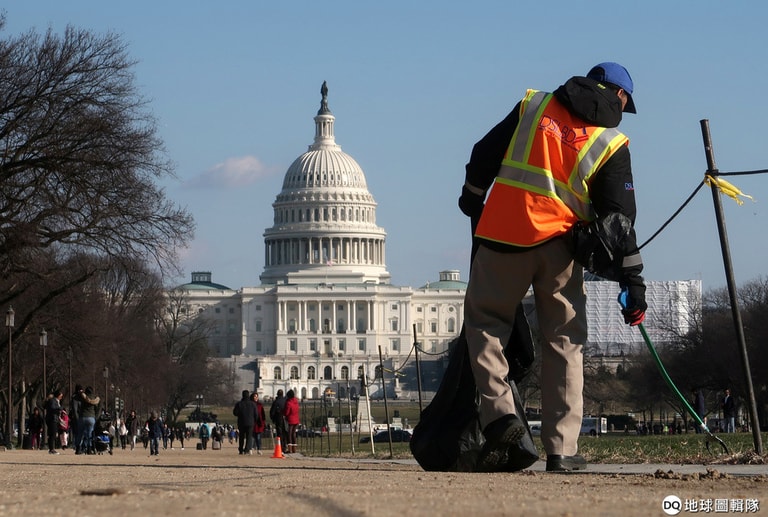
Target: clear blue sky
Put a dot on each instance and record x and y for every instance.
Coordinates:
(413, 85)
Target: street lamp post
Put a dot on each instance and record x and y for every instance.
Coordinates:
(44, 344)
(199, 414)
(9, 323)
(69, 357)
(106, 390)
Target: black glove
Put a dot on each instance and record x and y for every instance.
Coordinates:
(599, 245)
(470, 203)
(633, 317)
(634, 311)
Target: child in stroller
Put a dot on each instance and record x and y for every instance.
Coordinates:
(102, 434)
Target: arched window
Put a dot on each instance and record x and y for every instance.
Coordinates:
(327, 373)
(278, 373)
(451, 325)
(360, 372)
(344, 373)
(378, 372)
(294, 372)
(311, 372)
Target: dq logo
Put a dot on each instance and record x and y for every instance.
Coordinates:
(672, 505)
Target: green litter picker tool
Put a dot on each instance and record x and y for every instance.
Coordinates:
(623, 296)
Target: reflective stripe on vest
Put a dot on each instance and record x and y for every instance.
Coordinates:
(561, 187)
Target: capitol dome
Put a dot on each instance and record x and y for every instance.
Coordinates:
(324, 218)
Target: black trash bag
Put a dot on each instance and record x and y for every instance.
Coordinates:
(448, 436)
(599, 245)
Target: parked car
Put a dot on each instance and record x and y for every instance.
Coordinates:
(398, 435)
(308, 433)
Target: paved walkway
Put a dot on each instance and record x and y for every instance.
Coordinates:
(609, 468)
(198, 483)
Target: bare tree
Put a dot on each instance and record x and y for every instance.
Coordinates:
(79, 158)
(185, 336)
(603, 389)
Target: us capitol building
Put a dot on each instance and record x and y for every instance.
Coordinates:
(326, 313)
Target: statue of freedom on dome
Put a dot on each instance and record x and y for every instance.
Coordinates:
(324, 103)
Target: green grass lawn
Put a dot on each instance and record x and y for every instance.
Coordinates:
(611, 448)
(688, 448)
(680, 448)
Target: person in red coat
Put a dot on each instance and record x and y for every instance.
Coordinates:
(291, 413)
(260, 423)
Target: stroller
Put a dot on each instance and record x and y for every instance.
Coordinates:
(102, 436)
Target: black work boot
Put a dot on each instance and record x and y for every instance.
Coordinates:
(560, 463)
(500, 435)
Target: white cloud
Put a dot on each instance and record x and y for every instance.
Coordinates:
(233, 172)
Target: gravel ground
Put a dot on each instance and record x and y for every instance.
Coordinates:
(225, 483)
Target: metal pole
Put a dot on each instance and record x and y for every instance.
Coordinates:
(69, 357)
(106, 388)
(351, 430)
(368, 409)
(418, 366)
(386, 408)
(341, 421)
(327, 420)
(44, 344)
(9, 323)
(739, 327)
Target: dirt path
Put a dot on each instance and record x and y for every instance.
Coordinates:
(225, 483)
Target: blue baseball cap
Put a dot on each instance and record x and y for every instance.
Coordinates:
(615, 74)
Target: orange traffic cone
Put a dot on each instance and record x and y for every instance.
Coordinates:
(278, 450)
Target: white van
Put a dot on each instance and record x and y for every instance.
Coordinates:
(594, 426)
(589, 425)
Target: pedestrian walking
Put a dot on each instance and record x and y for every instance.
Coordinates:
(729, 411)
(154, 433)
(132, 424)
(36, 423)
(89, 412)
(64, 428)
(276, 411)
(260, 424)
(245, 411)
(291, 413)
(700, 407)
(52, 413)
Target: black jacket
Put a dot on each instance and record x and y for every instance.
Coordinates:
(611, 188)
(246, 413)
(76, 407)
(276, 410)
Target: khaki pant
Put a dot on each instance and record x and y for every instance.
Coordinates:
(498, 282)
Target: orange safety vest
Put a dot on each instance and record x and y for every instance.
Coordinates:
(542, 188)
